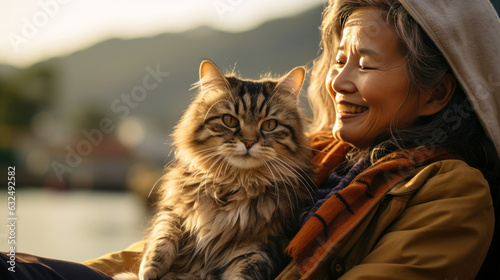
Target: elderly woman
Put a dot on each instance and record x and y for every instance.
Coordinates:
(406, 101)
(412, 91)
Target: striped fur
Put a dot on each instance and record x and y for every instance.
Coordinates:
(229, 203)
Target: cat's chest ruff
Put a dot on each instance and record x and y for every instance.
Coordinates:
(239, 216)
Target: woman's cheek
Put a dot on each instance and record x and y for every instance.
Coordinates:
(329, 80)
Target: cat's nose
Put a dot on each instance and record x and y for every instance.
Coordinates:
(248, 142)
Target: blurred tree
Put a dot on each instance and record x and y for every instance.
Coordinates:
(24, 93)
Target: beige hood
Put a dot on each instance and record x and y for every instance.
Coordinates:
(468, 34)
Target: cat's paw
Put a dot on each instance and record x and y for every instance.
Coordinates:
(126, 276)
(149, 273)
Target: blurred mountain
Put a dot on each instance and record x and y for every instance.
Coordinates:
(97, 76)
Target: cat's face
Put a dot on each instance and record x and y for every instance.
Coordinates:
(243, 123)
(251, 125)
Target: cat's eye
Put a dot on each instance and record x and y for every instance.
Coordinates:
(230, 121)
(269, 125)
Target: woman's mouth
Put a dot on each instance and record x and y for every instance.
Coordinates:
(351, 108)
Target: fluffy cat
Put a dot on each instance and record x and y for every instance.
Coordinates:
(229, 204)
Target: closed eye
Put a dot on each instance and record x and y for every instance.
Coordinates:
(366, 68)
(339, 63)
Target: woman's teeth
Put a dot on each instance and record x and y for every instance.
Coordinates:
(351, 109)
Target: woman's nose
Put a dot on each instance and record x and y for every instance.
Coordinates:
(340, 81)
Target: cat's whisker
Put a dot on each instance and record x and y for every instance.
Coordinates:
(190, 163)
(180, 178)
(305, 183)
(285, 180)
(218, 170)
(198, 171)
(309, 148)
(204, 150)
(193, 175)
(288, 183)
(227, 165)
(276, 188)
(159, 179)
(208, 157)
(297, 175)
(188, 167)
(170, 142)
(205, 180)
(211, 166)
(302, 173)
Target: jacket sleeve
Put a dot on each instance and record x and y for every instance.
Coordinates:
(444, 232)
(114, 263)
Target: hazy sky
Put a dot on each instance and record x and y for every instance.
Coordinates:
(32, 30)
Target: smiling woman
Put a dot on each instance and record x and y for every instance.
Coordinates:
(369, 99)
(391, 91)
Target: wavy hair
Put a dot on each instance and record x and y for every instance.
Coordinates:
(456, 126)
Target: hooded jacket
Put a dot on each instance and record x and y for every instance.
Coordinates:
(433, 220)
(468, 35)
(439, 224)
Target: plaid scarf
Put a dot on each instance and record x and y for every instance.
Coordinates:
(345, 209)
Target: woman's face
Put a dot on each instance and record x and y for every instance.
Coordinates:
(368, 82)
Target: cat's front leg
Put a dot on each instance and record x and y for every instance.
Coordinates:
(162, 248)
(256, 265)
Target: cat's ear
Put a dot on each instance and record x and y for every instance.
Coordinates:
(292, 81)
(211, 76)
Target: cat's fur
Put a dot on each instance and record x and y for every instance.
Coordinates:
(229, 205)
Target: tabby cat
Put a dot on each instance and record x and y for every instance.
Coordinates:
(230, 202)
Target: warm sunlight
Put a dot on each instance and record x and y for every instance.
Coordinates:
(34, 30)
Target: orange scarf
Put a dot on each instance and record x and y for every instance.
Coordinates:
(343, 211)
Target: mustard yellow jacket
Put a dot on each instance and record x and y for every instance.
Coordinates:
(438, 225)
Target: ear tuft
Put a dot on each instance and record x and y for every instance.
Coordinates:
(210, 75)
(292, 81)
(207, 67)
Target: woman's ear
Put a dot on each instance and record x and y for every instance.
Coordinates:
(435, 100)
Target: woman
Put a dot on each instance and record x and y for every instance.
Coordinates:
(406, 199)
(406, 99)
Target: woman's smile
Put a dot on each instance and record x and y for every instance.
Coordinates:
(346, 110)
(368, 82)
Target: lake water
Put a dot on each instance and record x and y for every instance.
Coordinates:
(73, 226)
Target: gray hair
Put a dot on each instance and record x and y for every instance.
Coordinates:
(456, 126)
